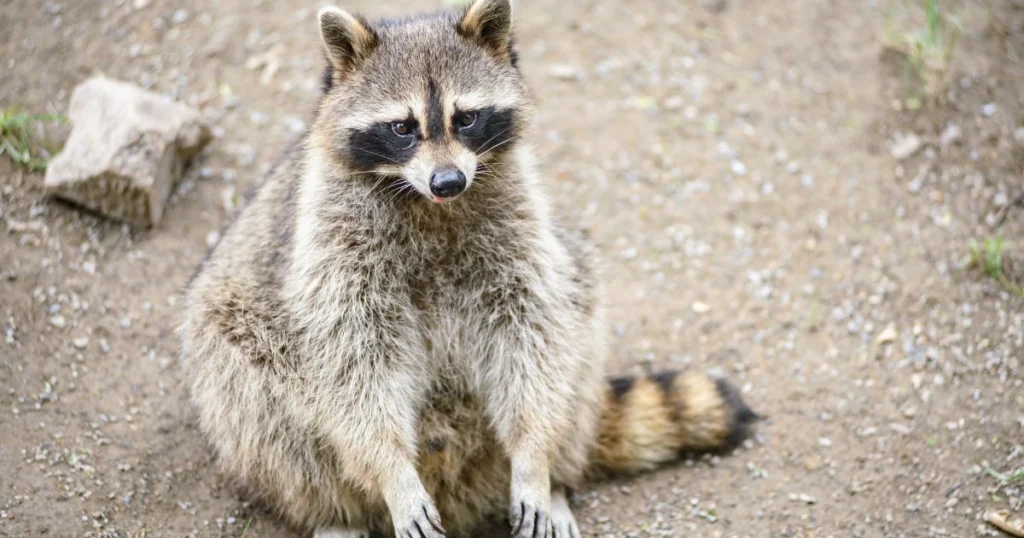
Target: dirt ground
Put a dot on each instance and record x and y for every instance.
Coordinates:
(733, 158)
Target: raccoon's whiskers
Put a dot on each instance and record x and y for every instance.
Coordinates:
(385, 157)
(496, 146)
(378, 182)
(490, 170)
(396, 189)
(496, 135)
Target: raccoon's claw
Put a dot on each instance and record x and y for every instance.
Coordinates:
(529, 521)
(424, 524)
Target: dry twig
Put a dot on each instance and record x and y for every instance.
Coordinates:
(1005, 210)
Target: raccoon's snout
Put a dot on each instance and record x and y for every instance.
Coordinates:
(447, 183)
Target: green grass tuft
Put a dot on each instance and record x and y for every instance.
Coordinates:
(16, 140)
(1006, 479)
(988, 256)
(927, 51)
(245, 531)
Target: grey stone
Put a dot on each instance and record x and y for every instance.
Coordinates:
(127, 148)
(906, 146)
(566, 72)
(950, 135)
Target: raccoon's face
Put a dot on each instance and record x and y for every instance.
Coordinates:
(424, 104)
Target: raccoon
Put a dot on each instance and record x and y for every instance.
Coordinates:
(397, 334)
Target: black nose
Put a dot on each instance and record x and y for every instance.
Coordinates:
(447, 182)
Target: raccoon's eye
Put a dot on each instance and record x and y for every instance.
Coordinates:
(465, 120)
(401, 128)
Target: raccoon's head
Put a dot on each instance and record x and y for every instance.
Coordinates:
(422, 104)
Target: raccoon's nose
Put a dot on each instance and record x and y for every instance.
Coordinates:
(447, 182)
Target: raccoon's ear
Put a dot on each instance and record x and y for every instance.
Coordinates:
(489, 22)
(348, 39)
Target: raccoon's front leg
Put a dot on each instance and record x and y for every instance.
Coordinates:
(529, 396)
(413, 513)
(369, 377)
(530, 510)
(380, 434)
(372, 423)
(374, 434)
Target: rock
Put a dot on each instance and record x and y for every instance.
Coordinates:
(675, 102)
(906, 146)
(889, 334)
(803, 498)
(126, 150)
(212, 238)
(950, 135)
(180, 16)
(566, 72)
(294, 124)
(229, 199)
(18, 226)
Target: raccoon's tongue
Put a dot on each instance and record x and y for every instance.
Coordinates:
(439, 200)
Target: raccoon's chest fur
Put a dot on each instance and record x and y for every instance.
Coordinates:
(462, 287)
(451, 295)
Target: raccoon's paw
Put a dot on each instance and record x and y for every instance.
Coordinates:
(529, 521)
(335, 532)
(530, 510)
(413, 514)
(562, 521)
(424, 522)
(530, 514)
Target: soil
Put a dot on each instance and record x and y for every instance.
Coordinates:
(732, 158)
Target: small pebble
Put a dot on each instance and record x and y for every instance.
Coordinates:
(566, 72)
(950, 135)
(888, 334)
(180, 16)
(906, 146)
(802, 497)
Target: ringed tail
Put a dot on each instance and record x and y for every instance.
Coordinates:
(651, 420)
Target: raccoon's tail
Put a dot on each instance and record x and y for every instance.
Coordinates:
(652, 420)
